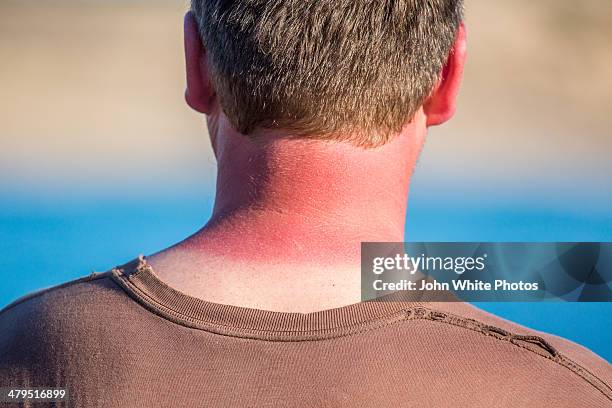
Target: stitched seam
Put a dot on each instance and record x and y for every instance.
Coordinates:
(182, 318)
(571, 365)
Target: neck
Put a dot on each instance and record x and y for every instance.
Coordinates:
(306, 199)
(289, 218)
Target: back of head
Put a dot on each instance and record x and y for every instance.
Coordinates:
(354, 70)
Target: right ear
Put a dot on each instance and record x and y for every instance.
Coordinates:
(441, 105)
(199, 94)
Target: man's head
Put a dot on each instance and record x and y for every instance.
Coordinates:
(355, 70)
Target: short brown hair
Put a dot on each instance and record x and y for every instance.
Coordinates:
(356, 69)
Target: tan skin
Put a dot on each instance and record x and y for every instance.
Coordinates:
(290, 215)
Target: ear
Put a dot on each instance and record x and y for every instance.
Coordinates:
(199, 94)
(442, 103)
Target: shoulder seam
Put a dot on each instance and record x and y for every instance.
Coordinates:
(501, 334)
(91, 277)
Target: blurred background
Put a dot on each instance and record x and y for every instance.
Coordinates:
(101, 160)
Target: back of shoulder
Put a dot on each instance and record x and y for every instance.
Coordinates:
(56, 306)
(52, 324)
(558, 357)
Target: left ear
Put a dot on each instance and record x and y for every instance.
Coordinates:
(442, 103)
(199, 94)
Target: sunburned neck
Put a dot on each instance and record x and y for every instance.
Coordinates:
(302, 204)
(304, 199)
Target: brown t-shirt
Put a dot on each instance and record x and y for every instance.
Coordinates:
(126, 339)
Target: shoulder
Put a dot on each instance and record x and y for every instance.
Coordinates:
(68, 325)
(41, 297)
(73, 295)
(562, 359)
(89, 294)
(70, 312)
